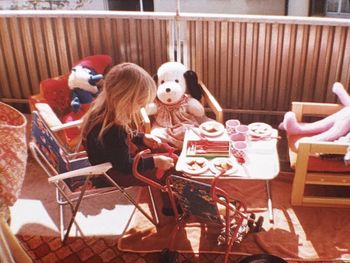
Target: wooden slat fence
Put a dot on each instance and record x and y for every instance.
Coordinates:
(38, 45)
(259, 65)
(252, 64)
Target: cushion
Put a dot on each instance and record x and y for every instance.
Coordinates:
(316, 163)
(57, 94)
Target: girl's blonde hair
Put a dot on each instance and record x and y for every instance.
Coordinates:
(127, 87)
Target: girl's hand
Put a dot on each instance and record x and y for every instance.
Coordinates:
(163, 162)
(151, 142)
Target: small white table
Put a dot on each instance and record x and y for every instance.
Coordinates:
(262, 162)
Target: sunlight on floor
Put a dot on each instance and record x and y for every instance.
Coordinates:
(30, 212)
(107, 222)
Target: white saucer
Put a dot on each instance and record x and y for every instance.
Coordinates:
(259, 129)
(190, 168)
(214, 165)
(212, 128)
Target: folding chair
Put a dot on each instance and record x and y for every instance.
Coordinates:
(203, 201)
(311, 168)
(72, 174)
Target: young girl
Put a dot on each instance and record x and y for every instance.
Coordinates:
(107, 127)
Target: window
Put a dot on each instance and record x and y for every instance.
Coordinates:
(338, 8)
(331, 8)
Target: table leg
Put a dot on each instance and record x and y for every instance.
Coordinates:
(269, 201)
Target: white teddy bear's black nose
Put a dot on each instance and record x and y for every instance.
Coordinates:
(167, 89)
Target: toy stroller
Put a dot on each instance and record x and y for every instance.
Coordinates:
(212, 205)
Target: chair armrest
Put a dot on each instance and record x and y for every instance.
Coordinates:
(47, 114)
(67, 125)
(307, 145)
(213, 103)
(314, 109)
(86, 171)
(145, 121)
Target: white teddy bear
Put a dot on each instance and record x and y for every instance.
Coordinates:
(177, 105)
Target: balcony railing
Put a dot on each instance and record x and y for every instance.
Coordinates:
(252, 64)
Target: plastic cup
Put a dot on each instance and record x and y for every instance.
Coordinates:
(235, 137)
(231, 125)
(243, 130)
(239, 151)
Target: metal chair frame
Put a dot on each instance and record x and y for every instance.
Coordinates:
(76, 166)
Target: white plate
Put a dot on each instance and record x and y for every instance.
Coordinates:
(215, 163)
(195, 165)
(260, 129)
(212, 128)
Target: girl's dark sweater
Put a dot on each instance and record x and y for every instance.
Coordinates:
(115, 149)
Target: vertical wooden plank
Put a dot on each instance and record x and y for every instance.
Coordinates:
(279, 61)
(62, 49)
(229, 67)
(146, 45)
(259, 84)
(50, 47)
(299, 62)
(83, 37)
(205, 43)
(272, 66)
(39, 47)
(223, 62)
(133, 38)
(6, 81)
(198, 52)
(73, 45)
(211, 84)
(120, 41)
(255, 81)
(95, 28)
(335, 62)
(157, 39)
(324, 64)
(247, 69)
(312, 57)
(236, 64)
(241, 84)
(286, 65)
(20, 66)
(170, 28)
(345, 70)
(28, 46)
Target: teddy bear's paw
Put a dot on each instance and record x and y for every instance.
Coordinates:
(75, 104)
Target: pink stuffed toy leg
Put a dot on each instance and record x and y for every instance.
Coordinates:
(327, 129)
(292, 126)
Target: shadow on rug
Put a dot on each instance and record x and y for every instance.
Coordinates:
(297, 234)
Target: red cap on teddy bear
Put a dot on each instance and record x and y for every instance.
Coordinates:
(96, 62)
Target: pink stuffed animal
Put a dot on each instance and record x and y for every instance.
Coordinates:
(328, 129)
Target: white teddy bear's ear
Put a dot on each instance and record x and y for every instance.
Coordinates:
(151, 108)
